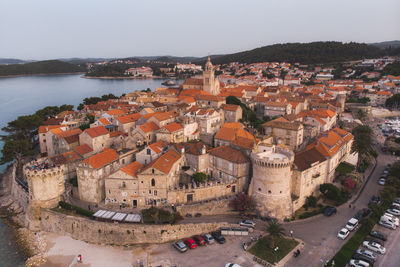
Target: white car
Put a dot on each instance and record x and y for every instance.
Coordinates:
(387, 224)
(395, 212)
(352, 224)
(343, 233)
(358, 263)
(391, 218)
(232, 265)
(374, 247)
(382, 181)
(247, 223)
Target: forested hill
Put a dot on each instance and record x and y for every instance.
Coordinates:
(307, 53)
(40, 67)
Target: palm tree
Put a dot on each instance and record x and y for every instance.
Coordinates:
(275, 231)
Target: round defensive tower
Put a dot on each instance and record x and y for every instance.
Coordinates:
(270, 185)
(46, 186)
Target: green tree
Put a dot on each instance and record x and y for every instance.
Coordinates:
(393, 101)
(275, 231)
(200, 177)
(242, 202)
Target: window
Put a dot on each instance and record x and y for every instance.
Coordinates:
(123, 184)
(152, 170)
(153, 182)
(123, 161)
(259, 189)
(269, 191)
(155, 192)
(148, 151)
(220, 174)
(149, 192)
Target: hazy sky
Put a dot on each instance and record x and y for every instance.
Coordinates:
(45, 29)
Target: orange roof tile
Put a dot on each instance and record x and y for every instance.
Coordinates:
(71, 156)
(46, 128)
(101, 159)
(115, 112)
(173, 127)
(132, 169)
(149, 127)
(96, 131)
(129, 118)
(104, 121)
(83, 149)
(165, 162)
(157, 147)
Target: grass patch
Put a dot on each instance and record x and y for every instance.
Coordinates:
(71, 209)
(344, 168)
(262, 250)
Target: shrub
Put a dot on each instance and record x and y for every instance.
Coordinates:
(242, 202)
(156, 215)
(78, 210)
(311, 201)
(333, 193)
(312, 213)
(200, 177)
(344, 168)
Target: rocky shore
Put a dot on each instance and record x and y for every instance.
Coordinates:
(33, 245)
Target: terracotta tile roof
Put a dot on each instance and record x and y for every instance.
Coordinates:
(162, 116)
(165, 162)
(279, 123)
(83, 149)
(173, 127)
(149, 127)
(46, 128)
(132, 169)
(129, 118)
(193, 81)
(157, 147)
(71, 156)
(229, 154)
(329, 143)
(275, 104)
(101, 159)
(193, 92)
(96, 131)
(72, 139)
(243, 142)
(115, 112)
(192, 148)
(64, 134)
(209, 98)
(235, 125)
(104, 121)
(53, 121)
(230, 107)
(305, 159)
(116, 133)
(384, 93)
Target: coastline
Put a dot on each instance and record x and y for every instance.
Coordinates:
(121, 77)
(40, 74)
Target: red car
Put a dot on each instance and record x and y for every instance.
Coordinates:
(199, 240)
(190, 243)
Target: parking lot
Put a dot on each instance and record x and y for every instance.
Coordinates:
(214, 255)
(392, 245)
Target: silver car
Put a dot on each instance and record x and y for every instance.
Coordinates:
(247, 223)
(180, 246)
(209, 239)
(366, 253)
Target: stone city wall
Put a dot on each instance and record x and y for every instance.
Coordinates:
(220, 207)
(119, 233)
(18, 192)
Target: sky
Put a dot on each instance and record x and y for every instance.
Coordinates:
(48, 29)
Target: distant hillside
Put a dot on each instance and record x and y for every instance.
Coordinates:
(40, 67)
(307, 53)
(387, 44)
(10, 61)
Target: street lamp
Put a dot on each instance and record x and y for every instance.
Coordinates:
(276, 257)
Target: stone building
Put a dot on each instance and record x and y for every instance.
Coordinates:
(97, 138)
(122, 186)
(151, 152)
(91, 173)
(144, 134)
(196, 155)
(271, 182)
(171, 133)
(285, 132)
(230, 165)
(232, 113)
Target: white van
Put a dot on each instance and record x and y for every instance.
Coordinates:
(392, 219)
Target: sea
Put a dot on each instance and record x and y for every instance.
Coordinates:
(24, 95)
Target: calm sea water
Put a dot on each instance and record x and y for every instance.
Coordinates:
(24, 95)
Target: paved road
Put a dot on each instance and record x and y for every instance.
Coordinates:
(319, 233)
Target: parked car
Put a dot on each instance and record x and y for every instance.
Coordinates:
(352, 224)
(387, 224)
(396, 200)
(374, 247)
(358, 263)
(189, 215)
(366, 253)
(247, 223)
(382, 181)
(395, 212)
(180, 246)
(376, 240)
(218, 237)
(395, 206)
(343, 233)
(199, 240)
(391, 218)
(378, 235)
(329, 211)
(363, 258)
(190, 243)
(232, 265)
(209, 239)
(375, 200)
(197, 215)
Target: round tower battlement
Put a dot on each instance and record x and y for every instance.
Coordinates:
(46, 185)
(271, 182)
